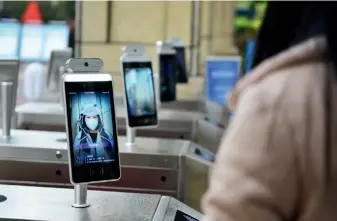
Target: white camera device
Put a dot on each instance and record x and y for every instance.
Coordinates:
(80, 65)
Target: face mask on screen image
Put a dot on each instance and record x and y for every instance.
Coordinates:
(92, 127)
(91, 122)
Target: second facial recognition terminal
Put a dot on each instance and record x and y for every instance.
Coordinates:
(139, 88)
(91, 127)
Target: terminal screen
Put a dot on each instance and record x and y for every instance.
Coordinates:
(180, 216)
(167, 77)
(92, 127)
(140, 91)
(181, 66)
(9, 40)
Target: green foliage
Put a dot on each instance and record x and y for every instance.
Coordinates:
(247, 28)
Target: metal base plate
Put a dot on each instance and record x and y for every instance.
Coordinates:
(130, 145)
(39, 203)
(85, 205)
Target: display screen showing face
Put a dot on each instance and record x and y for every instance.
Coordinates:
(92, 130)
(167, 77)
(140, 93)
(91, 120)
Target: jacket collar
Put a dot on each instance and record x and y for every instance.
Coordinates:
(311, 49)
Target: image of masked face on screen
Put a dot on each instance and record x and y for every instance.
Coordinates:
(140, 91)
(92, 127)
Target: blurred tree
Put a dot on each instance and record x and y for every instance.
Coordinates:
(61, 10)
(46, 10)
(249, 15)
(65, 10)
(13, 9)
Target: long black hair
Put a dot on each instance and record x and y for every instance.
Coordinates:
(287, 23)
(290, 22)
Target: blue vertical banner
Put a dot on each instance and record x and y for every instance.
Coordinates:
(249, 55)
(222, 73)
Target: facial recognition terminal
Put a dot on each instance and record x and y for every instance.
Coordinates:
(139, 88)
(167, 71)
(91, 127)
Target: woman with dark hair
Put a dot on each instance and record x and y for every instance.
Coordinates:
(278, 159)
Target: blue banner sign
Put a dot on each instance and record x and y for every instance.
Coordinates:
(9, 40)
(222, 73)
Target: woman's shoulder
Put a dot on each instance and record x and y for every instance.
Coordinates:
(295, 94)
(291, 85)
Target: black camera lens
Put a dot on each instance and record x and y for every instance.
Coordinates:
(86, 64)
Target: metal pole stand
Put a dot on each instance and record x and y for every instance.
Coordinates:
(7, 97)
(131, 137)
(80, 196)
(61, 72)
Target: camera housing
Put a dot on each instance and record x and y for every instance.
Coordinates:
(134, 50)
(84, 65)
